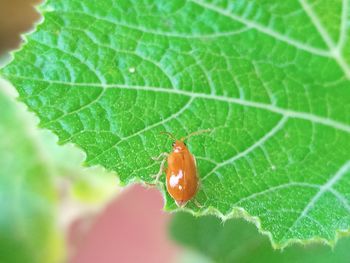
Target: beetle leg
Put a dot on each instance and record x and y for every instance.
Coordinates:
(197, 204)
(199, 184)
(181, 204)
(162, 155)
(162, 164)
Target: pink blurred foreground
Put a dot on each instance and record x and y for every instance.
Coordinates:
(133, 228)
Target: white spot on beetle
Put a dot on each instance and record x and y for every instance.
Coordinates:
(174, 179)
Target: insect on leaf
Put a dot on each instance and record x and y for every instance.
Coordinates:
(270, 78)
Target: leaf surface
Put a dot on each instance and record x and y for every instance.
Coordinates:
(271, 79)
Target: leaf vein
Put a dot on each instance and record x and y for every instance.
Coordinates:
(336, 53)
(163, 33)
(265, 30)
(259, 105)
(324, 188)
(274, 188)
(171, 117)
(257, 144)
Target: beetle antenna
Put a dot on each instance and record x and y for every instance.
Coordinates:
(195, 133)
(171, 136)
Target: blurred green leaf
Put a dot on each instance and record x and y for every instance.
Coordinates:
(28, 198)
(38, 179)
(238, 241)
(271, 78)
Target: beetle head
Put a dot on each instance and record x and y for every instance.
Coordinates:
(179, 146)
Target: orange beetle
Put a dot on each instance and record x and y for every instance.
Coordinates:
(181, 174)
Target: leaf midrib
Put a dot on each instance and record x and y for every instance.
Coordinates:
(272, 108)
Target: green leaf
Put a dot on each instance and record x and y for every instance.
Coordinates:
(28, 228)
(270, 78)
(238, 241)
